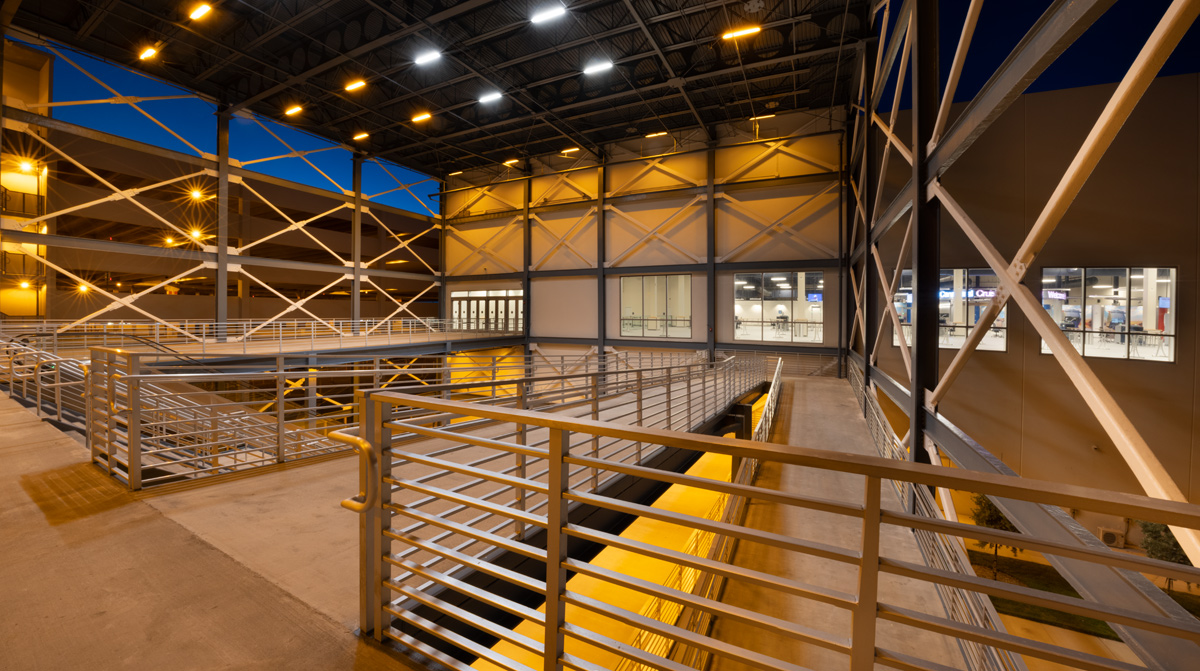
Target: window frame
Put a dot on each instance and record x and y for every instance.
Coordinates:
(625, 321)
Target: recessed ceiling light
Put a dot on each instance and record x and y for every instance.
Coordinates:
(200, 11)
(293, 110)
(26, 166)
(355, 85)
(549, 14)
(1101, 286)
(658, 134)
(392, 263)
(24, 285)
(148, 52)
(196, 234)
(490, 97)
(511, 161)
(1049, 280)
(427, 57)
(741, 32)
(362, 136)
(572, 149)
(423, 116)
(456, 172)
(597, 67)
(762, 116)
(197, 194)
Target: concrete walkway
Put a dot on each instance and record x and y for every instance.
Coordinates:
(821, 413)
(92, 577)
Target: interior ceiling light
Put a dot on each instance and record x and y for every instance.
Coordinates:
(762, 116)
(355, 85)
(597, 67)
(362, 136)
(390, 263)
(658, 134)
(427, 57)
(549, 14)
(24, 285)
(572, 149)
(148, 52)
(170, 241)
(26, 166)
(423, 116)
(197, 194)
(200, 11)
(741, 32)
(490, 97)
(1101, 286)
(293, 110)
(1049, 280)
(511, 161)
(83, 288)
(196, 234)
(456, 172)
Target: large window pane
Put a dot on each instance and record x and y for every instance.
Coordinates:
(1152, 314)
(654, 305)
(631, 306)
(982, 287)
(952, 308)
(807, 317)
(747, 306)
(903, 304)
(779, 292)
(679, 302)
(1106, 312)
(1062, 297)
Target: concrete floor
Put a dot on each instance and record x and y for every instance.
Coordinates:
(822, 413)
(92, 577)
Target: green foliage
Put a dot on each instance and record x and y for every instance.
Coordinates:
(986, 514)
(1159, 543)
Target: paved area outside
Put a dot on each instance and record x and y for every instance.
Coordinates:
(92, 577)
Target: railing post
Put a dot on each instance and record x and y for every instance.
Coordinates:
(556, 548)
(668, 393)
(134, 439)
(595, 439)
(690, 422)
(373, 570)
(862, 640)
(280, 425)
(522, 439)
(641, 420)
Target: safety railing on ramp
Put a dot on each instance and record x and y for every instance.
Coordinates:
(469, 539)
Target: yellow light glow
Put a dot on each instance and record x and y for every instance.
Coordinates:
(148, 52)
(457, 172)
(83, 288)
(362, 136)
(511, 161)
(355, 85)
(26, 166)
(118, 284)
(392, 263)
(762, 116)
(293, 110)
(44, 229)
(45, 170)
(170, 241)
(423, 116)
(200, 11)
(741, 32)
(658, 134)
(196, 234)
(24, 285)
(197, 194)
(572, 149)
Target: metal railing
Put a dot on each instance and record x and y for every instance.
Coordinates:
(451, 504)
(247, 336)
(152, 419)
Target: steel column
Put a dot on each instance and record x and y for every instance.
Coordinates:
(356, 245)
(710, 226)
(221, 288)
(601, 241)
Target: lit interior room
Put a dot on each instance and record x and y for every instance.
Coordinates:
(600, 335)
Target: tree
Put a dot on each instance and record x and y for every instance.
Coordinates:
(1159, 543)
(986, 514)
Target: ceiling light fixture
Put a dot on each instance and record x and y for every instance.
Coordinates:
(572, 149)
(197, 194)
(170, 241)
(293, 110)
(423, 116)
(456, 172)
(597, 67)
(355, 85)
(762, 116)
(1049, 280)
(200, 11)
(362, 136)
(196, 234)
(490, 97)
(658, 134)
(427, 57)
(24, 285)
(511, 161)
(741, 32)
(148, 52)
(1101, 286)
(548, 14)
(83, 288)
(392, 263)
(26, 166)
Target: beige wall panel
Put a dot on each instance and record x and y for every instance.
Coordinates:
(563, 307)
(485, 247)
(657, 174)
(782, 158)
(699, 294)
(809, 213)
(564, 239)
(630, 222)
(565, 187)
(486, 199)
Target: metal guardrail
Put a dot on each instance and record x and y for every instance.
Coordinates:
(453, 505)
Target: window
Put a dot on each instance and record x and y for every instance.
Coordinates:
(1113, 313)
(656, 306)
(779, 307)
(491, 310)
(963, 295)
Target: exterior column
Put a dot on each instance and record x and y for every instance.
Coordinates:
(356, 245)
(601, 242)
(710, 226)
(221, 286)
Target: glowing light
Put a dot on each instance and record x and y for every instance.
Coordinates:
(741, 32)
(658, 134)
(572, 149)
(427, 57)
(597, 67)
(362, 136)
(170, 241)
(511, 161)
(423, 116)
(118, 284)
(196, 234)
(456, 172)
(44, 229)
(26, 166)
(355, 85)
(200, 11)
(392, 263)
(548, 14)
(148, 52)
(197, 194)
(762, 116)
(83, 288)
(490, 97)
(24, 285)
(293, 110)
